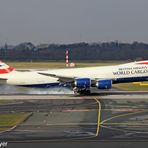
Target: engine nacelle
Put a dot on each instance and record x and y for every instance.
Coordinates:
(104, 84)
(83, 83)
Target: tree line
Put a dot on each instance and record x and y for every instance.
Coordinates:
(77, 51)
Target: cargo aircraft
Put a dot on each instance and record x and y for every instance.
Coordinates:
(81, 80)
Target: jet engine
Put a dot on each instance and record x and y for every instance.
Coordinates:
(104, 84)
(82, 83)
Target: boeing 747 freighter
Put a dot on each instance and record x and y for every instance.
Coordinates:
(79, 79)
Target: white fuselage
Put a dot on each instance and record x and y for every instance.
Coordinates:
(130, 70)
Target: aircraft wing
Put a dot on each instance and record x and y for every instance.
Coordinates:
(82, 85)
(65, 79)
(61, 78)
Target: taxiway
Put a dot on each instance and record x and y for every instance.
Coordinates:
(67, 117)
(105, 117)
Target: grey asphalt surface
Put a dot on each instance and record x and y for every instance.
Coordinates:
(73, 121)
(123, 117)
(53, 119)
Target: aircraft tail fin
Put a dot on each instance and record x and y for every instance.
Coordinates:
(4, 68)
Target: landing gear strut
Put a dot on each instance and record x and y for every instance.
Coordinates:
(82, 91)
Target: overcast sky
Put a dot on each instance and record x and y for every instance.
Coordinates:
(69, 21)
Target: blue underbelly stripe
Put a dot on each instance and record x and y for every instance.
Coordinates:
(130, 79)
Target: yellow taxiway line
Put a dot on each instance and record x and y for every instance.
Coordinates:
(127, 123)
(140, 83)
(122, 115)
(99, 116)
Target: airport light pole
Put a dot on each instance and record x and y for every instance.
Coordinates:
(67, 58)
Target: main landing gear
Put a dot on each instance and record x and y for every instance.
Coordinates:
(82, 91)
